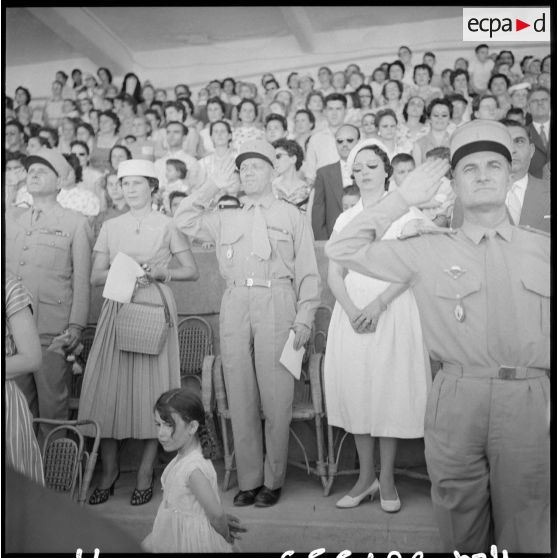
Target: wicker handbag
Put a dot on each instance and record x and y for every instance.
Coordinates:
(142, 327)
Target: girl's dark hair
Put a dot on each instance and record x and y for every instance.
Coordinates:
(217, 101)
(153, 184)
(495, 76)
(186, 102)
(26, 91)
(292, 148)
(315, 93)
(396, 63)
(422, 118)
(81, 144)
(224, 122)
(459, 72)
(73, 161)
(87, 126)
(385, 160)
(381, 114)
(137, 89)
(249, 101)
(188, 405)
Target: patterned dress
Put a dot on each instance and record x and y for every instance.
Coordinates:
(21, 450)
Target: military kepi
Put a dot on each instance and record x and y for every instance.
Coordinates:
(260, 149)
(52, 158)
(480, 135)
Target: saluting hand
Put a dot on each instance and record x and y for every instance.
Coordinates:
(421, 184)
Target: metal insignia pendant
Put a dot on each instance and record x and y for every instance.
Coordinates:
(229, 253)
(459, 312)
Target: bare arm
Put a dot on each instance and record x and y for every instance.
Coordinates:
(188, 270)
(29, 356)
(337, 286)
(101, 265)
(199, 484)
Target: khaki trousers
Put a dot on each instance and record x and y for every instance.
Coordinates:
(254, 326)
(487, 448)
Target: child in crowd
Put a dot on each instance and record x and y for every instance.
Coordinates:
(190, 517)
(402, 164)
(175, 197)
(351, 196)
(175, 173)
(480, 69)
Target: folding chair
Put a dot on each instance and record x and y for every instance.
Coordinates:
(195, 342)
(67, 466)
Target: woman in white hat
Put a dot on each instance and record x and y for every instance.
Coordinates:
(120, 387)
(376, 371)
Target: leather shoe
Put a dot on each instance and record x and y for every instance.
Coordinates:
(267, 497)
(246, 497)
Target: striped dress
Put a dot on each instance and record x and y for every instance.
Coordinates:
(22, 449)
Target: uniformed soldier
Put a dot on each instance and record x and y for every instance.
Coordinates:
(49, 249)
(483, 293)
(266, 255)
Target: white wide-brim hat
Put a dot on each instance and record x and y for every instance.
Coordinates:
(361, 145)
(137, 167)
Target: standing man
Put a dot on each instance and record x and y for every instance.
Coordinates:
(321, 148)
(49, 249)
(483, 292)
(330, 181)
(266, 255)
(538, 103)
(528, 200)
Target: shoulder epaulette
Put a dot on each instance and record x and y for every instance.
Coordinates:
(533, 230)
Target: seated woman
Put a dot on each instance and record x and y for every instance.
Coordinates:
(362, 104)
(116, 155)
(439, 113)
(422, 78)
(386, 126)
(376, 369)
(315, 103)
(76, 197)
(215, 111)
(414, 125)
(498, 86)
(392, 95)
(247, 129)
(368, 126)
(106, 139)
(119, 387)
(115, 202)
(288, 185)
(304, 125)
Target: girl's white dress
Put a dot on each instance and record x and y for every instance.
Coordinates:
(377, 383)
(181, 524)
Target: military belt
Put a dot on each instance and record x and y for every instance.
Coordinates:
(497, 372)
(253, 282)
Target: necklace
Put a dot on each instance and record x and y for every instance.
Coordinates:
(140, 221)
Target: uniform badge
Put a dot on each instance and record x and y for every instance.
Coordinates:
(455, 272)
(459, 312)
(229, 253)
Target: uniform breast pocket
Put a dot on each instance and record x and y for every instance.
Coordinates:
(455, 291)
(228, 248)
(281, 242)
(538, 287)
(53, 252)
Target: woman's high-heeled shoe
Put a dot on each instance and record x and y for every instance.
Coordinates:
(101, 495)
(390, 506)
(352, 502)
(140, 497)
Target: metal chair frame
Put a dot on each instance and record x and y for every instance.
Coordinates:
(67, 466)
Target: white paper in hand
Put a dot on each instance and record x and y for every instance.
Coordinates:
(121, 278)
(291, 359)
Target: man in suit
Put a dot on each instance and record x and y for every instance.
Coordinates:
(538, 104)
(330, 180)
(528, 200)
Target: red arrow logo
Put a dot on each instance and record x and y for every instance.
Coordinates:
(519, 25)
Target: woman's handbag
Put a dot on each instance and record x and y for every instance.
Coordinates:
(143, 327)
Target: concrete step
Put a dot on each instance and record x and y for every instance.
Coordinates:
(303, 519)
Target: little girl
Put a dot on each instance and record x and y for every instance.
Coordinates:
(190, 517)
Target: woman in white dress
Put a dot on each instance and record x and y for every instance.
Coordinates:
(377, 371)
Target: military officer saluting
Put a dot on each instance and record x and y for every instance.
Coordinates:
(266, 254)
(49, 249)
(483, 292)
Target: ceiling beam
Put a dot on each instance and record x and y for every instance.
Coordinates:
(87, 35)
(300, 26)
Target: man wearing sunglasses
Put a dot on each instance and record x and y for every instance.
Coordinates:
(330, 181)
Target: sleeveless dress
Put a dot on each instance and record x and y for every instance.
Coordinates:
(21, 447)
(120, 388)
(181, 524)
(377, 383)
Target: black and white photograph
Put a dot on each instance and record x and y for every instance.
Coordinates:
(277, 280)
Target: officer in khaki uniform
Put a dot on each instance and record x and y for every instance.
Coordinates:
(266, 254)
(483, 292)
(49, 249)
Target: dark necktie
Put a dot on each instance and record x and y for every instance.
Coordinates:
(542, 135)
(501, 312)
